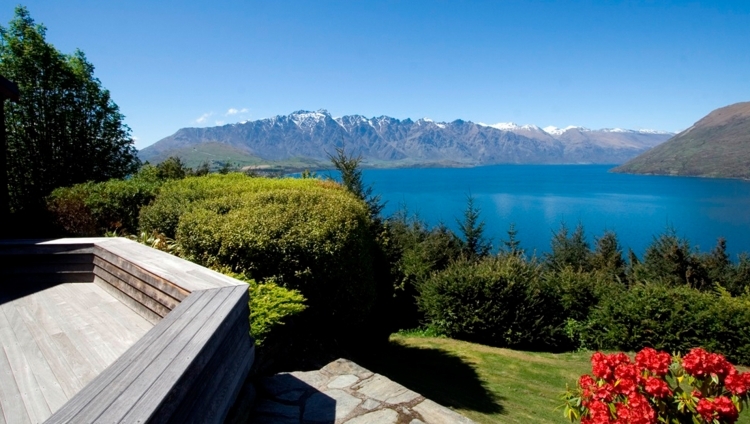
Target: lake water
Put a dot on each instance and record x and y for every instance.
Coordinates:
(537, 198)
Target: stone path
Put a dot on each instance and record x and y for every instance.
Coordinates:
(342, 392)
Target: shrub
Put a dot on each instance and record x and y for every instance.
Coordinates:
(417, 251)
(93, 209)
(673, 318)
(306, 235)
(270, 305)
(500, 301)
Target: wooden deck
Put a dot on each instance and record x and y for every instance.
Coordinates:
(55, 340)
(106, 330)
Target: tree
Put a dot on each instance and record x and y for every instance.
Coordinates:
(607, 256)
(351, 177)
(572, 251)
(472, 229)
(66, 129)
(512, 245)
(172, 168)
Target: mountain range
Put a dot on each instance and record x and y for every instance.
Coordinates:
(718, 145)
(309, 137)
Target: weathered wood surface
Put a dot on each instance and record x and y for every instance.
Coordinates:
(189, 275)
(108, 368)
(166, 370)
(54, 342)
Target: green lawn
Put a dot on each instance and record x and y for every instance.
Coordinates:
(488, 385)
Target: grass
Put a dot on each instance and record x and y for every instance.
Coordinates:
(486, 384)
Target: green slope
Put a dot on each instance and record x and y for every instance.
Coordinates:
(716, 146)
(217, 154)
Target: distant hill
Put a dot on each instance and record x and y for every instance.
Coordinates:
(308, 138)
(716, 146)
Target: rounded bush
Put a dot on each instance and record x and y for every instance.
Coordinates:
(671, 318)
(307, 235)
(500, 301)
(92, 209)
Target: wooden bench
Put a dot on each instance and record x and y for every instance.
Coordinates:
(188, 368)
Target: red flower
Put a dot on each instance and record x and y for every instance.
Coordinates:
(694, 362)
(718, 364)
(737, 383)
(641, 411)
(706, 408)
(726, 409)
(599, 366)
(586, 381)
(627, 378)
(656, 362)
(721, 408)
(599, 413)
(700, 363)
(603, 366)
(657, 388)
(605, 393)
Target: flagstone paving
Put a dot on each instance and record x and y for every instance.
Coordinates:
(343, 392)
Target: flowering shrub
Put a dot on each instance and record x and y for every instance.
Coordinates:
(698, 388)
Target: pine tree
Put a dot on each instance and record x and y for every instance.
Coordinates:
(351, 177)
(512, 246)
(569, 251)
(475, 245)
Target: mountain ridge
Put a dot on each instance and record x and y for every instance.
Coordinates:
(717, 145)
(387, 141)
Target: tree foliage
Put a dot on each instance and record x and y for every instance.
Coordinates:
(66, 129)
(351, 177)
(569, 250)
(475, 244)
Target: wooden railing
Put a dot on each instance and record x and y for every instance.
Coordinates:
(188, 368)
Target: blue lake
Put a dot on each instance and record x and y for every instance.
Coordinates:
(537, 198)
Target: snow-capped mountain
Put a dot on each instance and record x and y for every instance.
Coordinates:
(316, 134)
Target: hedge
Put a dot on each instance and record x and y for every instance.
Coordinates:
(499, 301)
(306, 235)
(672, 318)
(93, 209)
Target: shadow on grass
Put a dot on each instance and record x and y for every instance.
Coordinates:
(433, 373)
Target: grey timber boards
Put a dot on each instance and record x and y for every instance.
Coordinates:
(153, 339)
(40, 368)
(103, 256)
(156, 377)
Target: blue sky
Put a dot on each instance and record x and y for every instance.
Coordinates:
(600, 64)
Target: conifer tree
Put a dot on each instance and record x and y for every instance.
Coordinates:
(475, 245)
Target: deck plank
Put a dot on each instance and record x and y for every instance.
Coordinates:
(31, 393)
(196, 352)
(128, 301)
(66, 377)
(111, 332)
(138, 271)
(154, 367)
(133, 322)
(40, 367)
(10, 396)
(90, 402)
(76, 330)
(155, 291)
(137, 295)
(69, 340)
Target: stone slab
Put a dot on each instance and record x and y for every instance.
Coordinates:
(434, 413)
(343, 381)
(383, 416)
